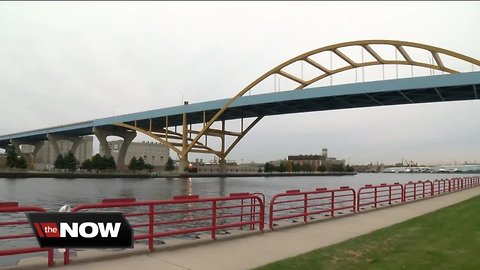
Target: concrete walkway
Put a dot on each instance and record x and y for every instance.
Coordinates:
(259, 249)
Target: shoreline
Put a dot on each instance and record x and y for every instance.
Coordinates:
(72, 175)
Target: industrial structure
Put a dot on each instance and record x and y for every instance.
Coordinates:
(152, 153)
(191, 127)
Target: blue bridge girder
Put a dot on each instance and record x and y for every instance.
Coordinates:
(438, 88)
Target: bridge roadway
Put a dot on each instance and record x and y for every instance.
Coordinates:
(439, 88)
(257, 249)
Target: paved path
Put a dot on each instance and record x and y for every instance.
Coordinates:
(249, 252)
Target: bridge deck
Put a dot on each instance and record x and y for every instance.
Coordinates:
(440, 88)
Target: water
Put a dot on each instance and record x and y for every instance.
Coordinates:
(52, 193)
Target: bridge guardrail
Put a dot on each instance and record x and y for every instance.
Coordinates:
(14, 207)
(300, 204)
(376, 195)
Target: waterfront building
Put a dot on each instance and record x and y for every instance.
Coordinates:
(316, 161)
(152, 153)
(232, 167)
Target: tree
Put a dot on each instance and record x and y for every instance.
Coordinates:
(11, 161)
(21, 163)
(110, 163)
(322, 168)
(98, 162)
(87, 165)
(133, 164)
(287, 165)
(59, 162)
(140, 164)
(70, 162)
(148, 167)
(169, 166)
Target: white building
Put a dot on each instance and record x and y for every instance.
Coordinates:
(152, 152)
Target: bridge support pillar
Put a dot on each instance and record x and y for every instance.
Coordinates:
(183, 165)
(184, 157)
(54, 138)
(30, 157)
(222, 165)
(128, 135)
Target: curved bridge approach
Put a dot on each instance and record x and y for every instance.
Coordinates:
(189, 128)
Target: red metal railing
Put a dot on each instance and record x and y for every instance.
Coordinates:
(377, 195)
(456, 184)
(304, 204)
(21, 225)
(441, 186)
(417, 190)
(185, 215)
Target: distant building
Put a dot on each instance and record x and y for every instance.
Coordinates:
(316, 161)
(153, 153)
(46, 158)
(232, 167)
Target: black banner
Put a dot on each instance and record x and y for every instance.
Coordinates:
(82, 230)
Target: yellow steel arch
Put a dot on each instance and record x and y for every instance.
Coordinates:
(326, 72)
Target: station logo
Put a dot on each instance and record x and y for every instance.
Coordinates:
(82, 230)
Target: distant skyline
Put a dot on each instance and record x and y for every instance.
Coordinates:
(64, 62)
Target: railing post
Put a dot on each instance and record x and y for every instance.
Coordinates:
(332, 204)
(241, 215)
(51, 260)
(375, 198)
(151, 221)
(66, 257)
(423, 190)
(262, 214)
(214, 220)
(270, 214)
(390, 195)
(252, 217)
(358, 199)
(414, 191)
(305, 208)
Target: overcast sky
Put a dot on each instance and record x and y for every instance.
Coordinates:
(75, 61)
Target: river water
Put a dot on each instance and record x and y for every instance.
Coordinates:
(53, 193)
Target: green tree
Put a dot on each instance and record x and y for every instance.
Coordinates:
(70, 162)
(110, 163)
(21, 163)
(59, 162)
(87, 165)
(140, 164)
(11, 161)
(98, 162)
(287, 165)
(169, 166)
(322, 168)
(148, 167)
(133, 164)
(338, 168)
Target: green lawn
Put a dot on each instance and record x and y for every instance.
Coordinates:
(445, 239)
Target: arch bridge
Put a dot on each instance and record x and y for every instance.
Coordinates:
(188, 128)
